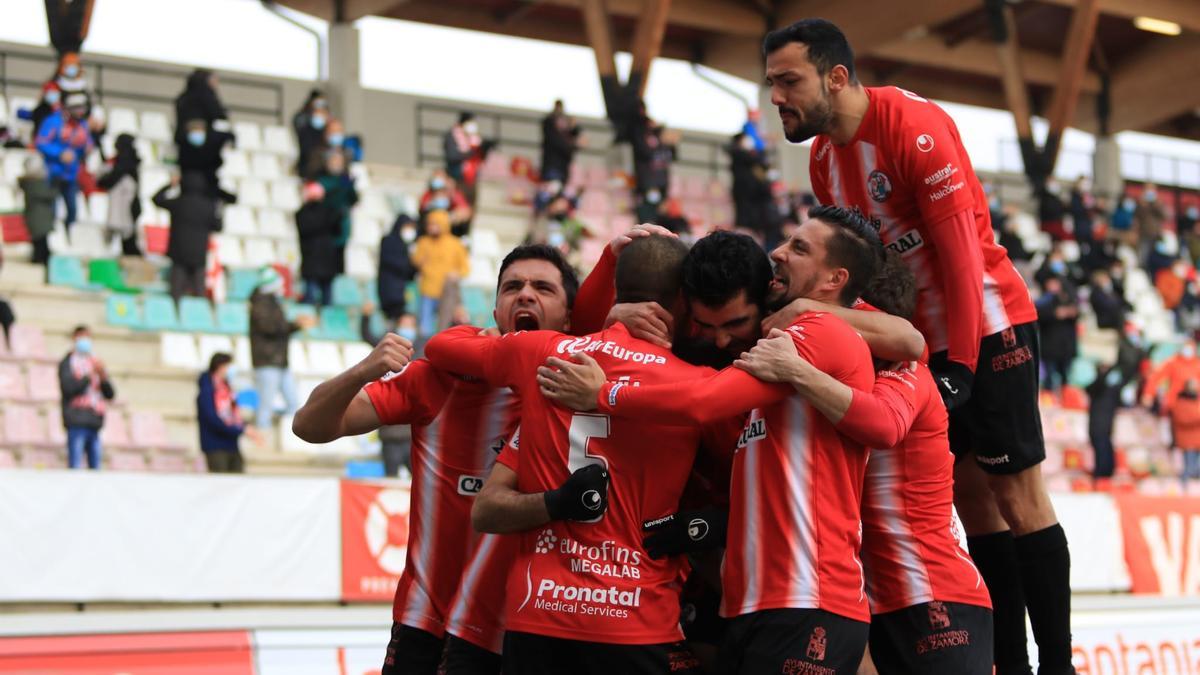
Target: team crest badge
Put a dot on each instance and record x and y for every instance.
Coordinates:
(879, 186)
(939, 616)
(1009, 337)
(816, 644)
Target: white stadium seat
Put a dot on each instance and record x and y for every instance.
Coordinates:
(14, 164)
(365, 229)
(265, 166)
(353, 352)
(239, 220)
(298, 357)
(229, 251)
(212, 344)
(8, 199)
(156, 126)
(285, 195)
(122, 121)
(248, 135)
(179, 350)
(236, 164)
(253, 192)
(260, 252)
(360, 263)
(241, 353)
(324, 358)
(98, 207)
(287, 251)
(145, 151)
(152, 180)
(274, 224)
(3, 110)
(279, 140)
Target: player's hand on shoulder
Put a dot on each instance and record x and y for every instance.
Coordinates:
(787, 316)
(686, 532)
(953, 380)
(583, 496)
(637, 231)
(645, 320)
(391, 355)
(574, 384)
(773, 359)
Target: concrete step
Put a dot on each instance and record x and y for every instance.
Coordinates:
(50, 304)
(21, 272)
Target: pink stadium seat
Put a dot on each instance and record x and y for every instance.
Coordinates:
(170, 463)
(115, 433)
(722, 215)
(695, 187)
(595, 175)
(8, 459)
(43, 383)
(12, 383)
(595, 202)
(495, 166)
(149, 430)
(28, 342)
(621, 223)
(44, 459)
(24, 427)
(123, 460)
(56, 435)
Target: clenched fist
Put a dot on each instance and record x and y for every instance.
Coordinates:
(389, 356)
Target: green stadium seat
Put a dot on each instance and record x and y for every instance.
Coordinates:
(65, 270)
(336, 324)
(159, 313)
(294, 309)
(233, 318)
(195, 314)
(411, 297)
(123, 310)
(107, 273)
(379, 324)
(240, 284)
(347, 292)
(372, 289)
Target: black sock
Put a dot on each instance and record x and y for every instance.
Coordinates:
(995, 556)
(1045, 564)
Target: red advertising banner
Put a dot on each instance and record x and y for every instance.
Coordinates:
(210, 653)
(374, 539)
(1162, 543)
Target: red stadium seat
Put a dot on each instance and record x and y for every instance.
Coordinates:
(149, 430)
(115, 433)
(8, 459)
(28, 342)
(169, 463)
(43, 383)
(44, 459)
(24, 427)
(55, 433)
(12, 383)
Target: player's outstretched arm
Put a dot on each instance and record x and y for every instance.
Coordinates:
(500, 508)
(889, 337)
(339, 407)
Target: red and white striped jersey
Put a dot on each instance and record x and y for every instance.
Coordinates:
(907, 171)
(458, 427)
(910, 546)
(794, 526)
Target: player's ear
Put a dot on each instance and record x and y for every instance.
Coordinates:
(838, 278)
(838, 78)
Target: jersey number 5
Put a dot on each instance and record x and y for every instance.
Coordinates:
(585, 427)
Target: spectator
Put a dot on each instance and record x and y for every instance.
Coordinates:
(218, 418)
(1185, 429)
(1171, 283)
(1174, 373)
(1120, 225)
(193, 218)
(39, 206)
(1187, 313)
(1055, 265)
(461, 143)
(319, 227)
(559, 228)
(309, 125)
(395, 441)
(1186, 225)
(201, 152)
(1107, 304)
(1051, 211)
(673, 219)
(396, 268)
(199, 101)
(653, 152)
(1162, 256)
(1148, 219)
(340, 197)
(751, 188)
(1083, 207)
(439, 257)
(50, 103)
(124, 204)
(64, 141)
(85, 391)
(70, 78)
(270, 332)
(560, 140)
(1010, 239)
(1058, 316)
(1104, 397)
(443, 195)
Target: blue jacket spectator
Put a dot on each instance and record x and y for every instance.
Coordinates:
(64, 141)
(217, 416)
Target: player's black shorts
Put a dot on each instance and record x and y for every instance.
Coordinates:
(412, 651)
(529, 654)
(466, 658)
(933, 638)
(699, 615)
(1001, 422)
(792, 642)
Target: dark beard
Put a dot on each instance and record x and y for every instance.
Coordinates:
(817, 120)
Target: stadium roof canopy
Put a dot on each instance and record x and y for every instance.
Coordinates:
(1067, 52)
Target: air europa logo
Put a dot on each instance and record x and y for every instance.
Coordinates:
(587, 344)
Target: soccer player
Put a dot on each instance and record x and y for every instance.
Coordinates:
(930, 610)
(458, 427)
(585, 597)
(897, 158)
(792, 582)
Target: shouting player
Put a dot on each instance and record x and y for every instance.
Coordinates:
(792, 582)
(897, 159)
(930, 610)
(586, 597)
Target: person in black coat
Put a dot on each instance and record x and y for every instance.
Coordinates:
(201, 152)
(199, 101)
(1108, 305)
(193, 219)
(1104, 398)
(751, 188)
(1058, 316)
(652, 157)
(319, 227)
(560, 137)
(395, 267)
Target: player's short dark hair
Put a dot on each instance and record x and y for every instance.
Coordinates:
(570, 280)
(649, 269)
(827, 45)
(894, 288)
(81, 328)
(219, 359)
(854, 246)
(723, 264)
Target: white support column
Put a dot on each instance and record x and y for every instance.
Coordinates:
(345, 87)
(1106, 167)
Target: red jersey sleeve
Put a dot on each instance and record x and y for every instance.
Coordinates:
(933, 162)
(500, 361)
(596, 296)
(509, 453)
(882, 418)
(414, 395)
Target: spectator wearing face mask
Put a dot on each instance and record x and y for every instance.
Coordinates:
(70, 78)
(200, 152)
(1165, 382)
(396, 269)
(561, 138)
(319, 227)
(439, 257)
(193, 218)
(1148, 219)
(217, 416)
(50, 103)
(200, 101)
(443, 195)
(309, 124)
(1104, 398)
(1170, 282)
(1055, 265)
(1187, 224)
(1083, 210)
(1052, 211)
(1107, 304)
(86, 390)
(653, 152)
(270, 332)
(395, 441)
(751, 188)
(558, 227)
(124, 205)
(340, 196)
(1120, 223)
(1058, 319)
(64, 141)
(460, 143)
(40, 196)
(1185, 429)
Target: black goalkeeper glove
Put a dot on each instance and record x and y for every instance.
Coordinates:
(583, 496)
(686, 532)
(953, 380)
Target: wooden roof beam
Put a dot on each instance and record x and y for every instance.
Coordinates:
(1186, 13)
(1156, 84)
(870, 23)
